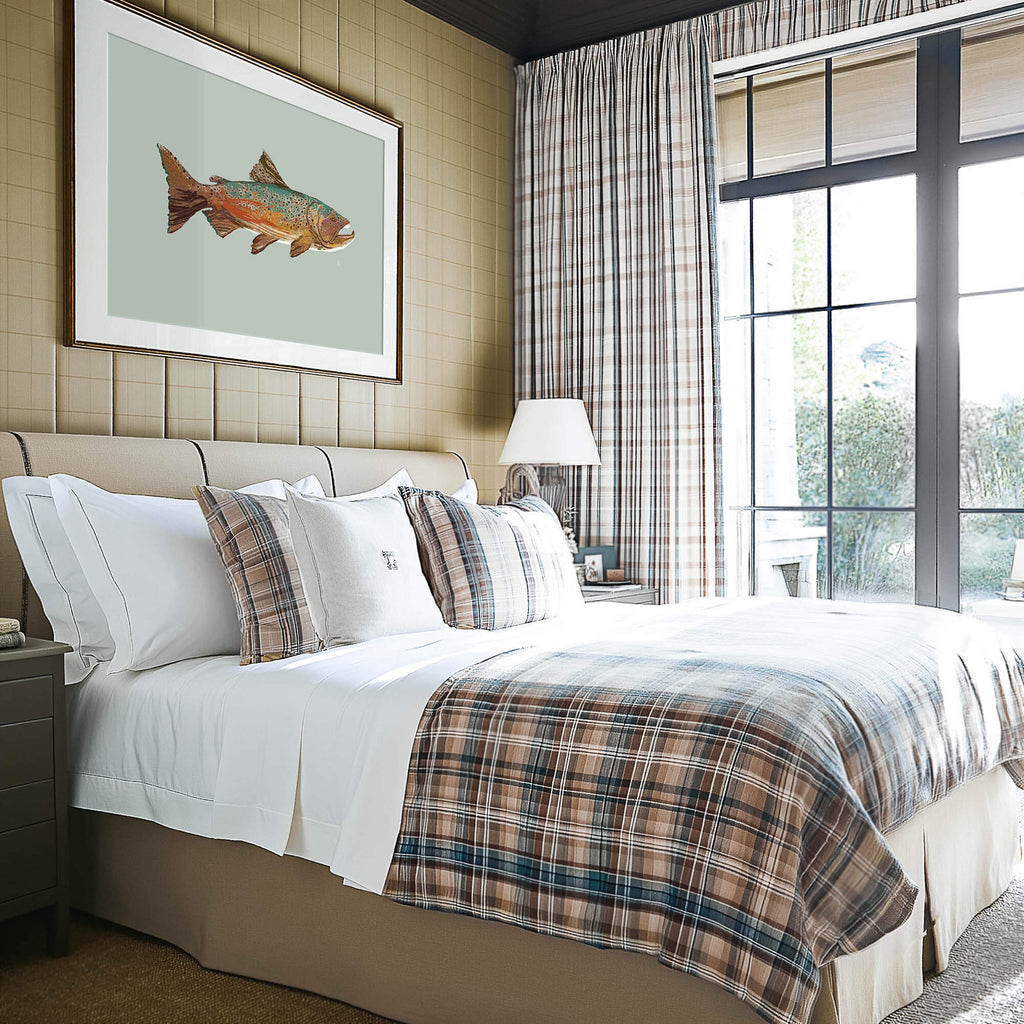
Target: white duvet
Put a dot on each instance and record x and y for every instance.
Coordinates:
(307, 756)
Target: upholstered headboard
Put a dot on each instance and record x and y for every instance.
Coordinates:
(171, 468)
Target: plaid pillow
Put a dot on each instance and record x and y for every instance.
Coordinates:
(252, 536)
(492, 566)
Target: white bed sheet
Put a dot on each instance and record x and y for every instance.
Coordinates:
(307, 756)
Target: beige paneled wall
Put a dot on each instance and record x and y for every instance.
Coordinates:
(453, 94)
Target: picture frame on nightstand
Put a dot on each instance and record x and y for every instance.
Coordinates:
(603, 557)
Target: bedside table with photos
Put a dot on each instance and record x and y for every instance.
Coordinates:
(602, 580)
(33, 782)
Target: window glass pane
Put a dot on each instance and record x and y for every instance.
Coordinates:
(792, 553)
(873, 433)
(738, 524)
(874, 103)
(986, 554)
(992, 79)
(790, 411)
(735, 358)
(790, 262)
(992, 401)
(731, 115)
(873, 556)
(734, 257)
(789, 119)
(874, 240)
(992, 225)
(735, 376)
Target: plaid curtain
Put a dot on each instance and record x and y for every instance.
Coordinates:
(616, 286)
(615, 289)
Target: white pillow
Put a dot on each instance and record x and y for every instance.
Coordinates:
(390, 486)
(467, 492)
(360, 568)
(68, 601)
(154, 571)
(277, 488)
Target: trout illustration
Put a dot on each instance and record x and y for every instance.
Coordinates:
(265, 205)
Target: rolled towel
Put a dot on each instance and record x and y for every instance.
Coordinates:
(16, 639)
(9, 626)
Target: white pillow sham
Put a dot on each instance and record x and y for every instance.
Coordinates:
(154, 571)
(390, 486)
(67, 599)
(360, 568)
(278, 488)
(467, 492)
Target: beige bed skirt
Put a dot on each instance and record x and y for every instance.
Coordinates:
(241, 909)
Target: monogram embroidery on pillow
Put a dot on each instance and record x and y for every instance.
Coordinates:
(389, 557)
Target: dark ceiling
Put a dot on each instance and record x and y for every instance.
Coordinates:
(536, 28)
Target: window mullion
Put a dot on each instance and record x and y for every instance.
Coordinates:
(752, 582)
(829, 461)
(926, 550)
(946, 306)
(829, 390)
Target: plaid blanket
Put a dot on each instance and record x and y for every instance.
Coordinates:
(710, 787)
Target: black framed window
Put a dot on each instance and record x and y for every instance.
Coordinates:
(872, 305)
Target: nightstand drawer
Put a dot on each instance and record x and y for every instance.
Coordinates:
(25, 699)
(26, 805)
(28, 860)
(637, 595)
(26, 752)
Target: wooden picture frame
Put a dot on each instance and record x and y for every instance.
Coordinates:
(173, 243)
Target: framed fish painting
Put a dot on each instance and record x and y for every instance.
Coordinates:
(220, 208)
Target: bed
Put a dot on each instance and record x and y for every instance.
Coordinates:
(238, 905)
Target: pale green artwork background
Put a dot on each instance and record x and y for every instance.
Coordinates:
(194, 278)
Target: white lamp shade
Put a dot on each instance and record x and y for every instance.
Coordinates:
(550, 432)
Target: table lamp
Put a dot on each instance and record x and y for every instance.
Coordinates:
(549, 433)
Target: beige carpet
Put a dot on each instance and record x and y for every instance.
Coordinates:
(116, 976)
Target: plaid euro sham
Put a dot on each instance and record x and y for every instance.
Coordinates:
(253, 539)
(492, 566)
(707, 787)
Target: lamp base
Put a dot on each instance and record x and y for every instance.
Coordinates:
(553, 488)
(546, 482)
(520, 481)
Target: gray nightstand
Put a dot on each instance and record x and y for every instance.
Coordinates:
(645, 595)
(33, 786)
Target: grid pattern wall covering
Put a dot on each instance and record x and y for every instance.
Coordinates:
(453, 93)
